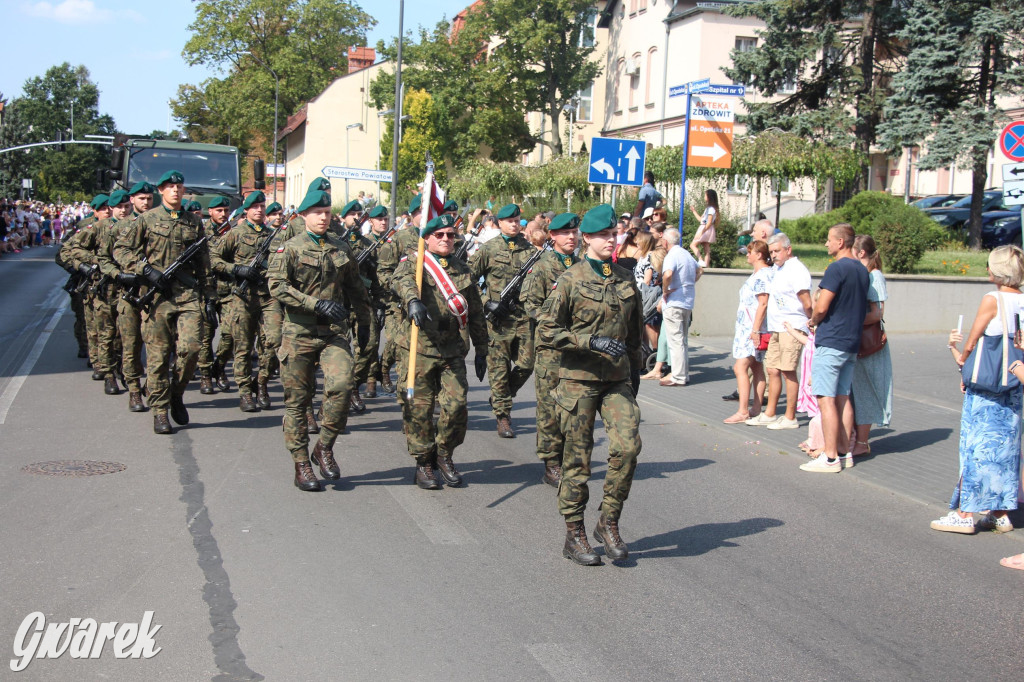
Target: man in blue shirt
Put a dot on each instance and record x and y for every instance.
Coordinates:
(648, 196)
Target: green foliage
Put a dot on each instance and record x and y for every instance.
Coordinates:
(419, 137)
(901, 242)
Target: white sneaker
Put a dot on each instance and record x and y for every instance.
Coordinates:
(701, 264)
(999, 524)
(822, 465)
(761, 420)
(847, 460)
(783, 423)
(954, 523)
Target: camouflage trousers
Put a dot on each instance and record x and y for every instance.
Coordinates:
(389, 354)
(578, 403)
(129, 326)
(502, 354)
(243, 320)
(550, 441)
(80, 334)
(441, 380)
(299, 356)
(206, 354)
(108, 343)
(91, 335)
(367, 361)
(171, 327)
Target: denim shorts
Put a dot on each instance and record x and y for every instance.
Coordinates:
(831, 372)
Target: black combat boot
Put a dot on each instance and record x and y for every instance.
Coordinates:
(206, 385)
(97, 375)
(311, 425)
(110, 385)
(220, 376)
(425, 477)
(324, 459)
(357, 404)
(371, 388)
(552, 472)
(607, 533)
(246, 403)
(135, 403)
(262, 397)
(386, 385)
(305, 479)
(178, 412)
(446, 467)
(577, 548)
(161, 425)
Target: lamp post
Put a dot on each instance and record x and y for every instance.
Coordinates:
(277, 84)
(348, 128)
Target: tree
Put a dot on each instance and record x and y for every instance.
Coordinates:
(963, 55)
(305, 42)
(841, 55)
(419, 137)
(13, 165)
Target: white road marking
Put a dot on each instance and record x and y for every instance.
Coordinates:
(558, 662)
(10, 391)
(431, 515)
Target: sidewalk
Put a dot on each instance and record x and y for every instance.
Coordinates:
(916, 456)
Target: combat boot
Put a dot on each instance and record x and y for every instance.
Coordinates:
(446, 468)
(505, 427)
(246, 403)
(262, 397)
(324, 459)
(425, 477)
(178, 412)
(358, 406)
(161, 425)
(206, 385)
(220, 376)
(97, 375)
(386, 385)
(135, 403)
(552, 472)
(371, 389)
(311, 425)
(110, 385)
(607, 533)
(305, 479)
(577, 548)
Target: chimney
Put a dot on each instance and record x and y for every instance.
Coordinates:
(360, 58)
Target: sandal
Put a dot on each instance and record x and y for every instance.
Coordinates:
(653, 374)
(1015, 561)
(861, 448)
(738, 418)
(804, 447)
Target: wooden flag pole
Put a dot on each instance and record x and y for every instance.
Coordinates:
(426, 203)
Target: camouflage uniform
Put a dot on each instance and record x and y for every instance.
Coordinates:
(225, 345)
(585, 304)
(84, 250)
(256, 308)
(129, 318)
(301, 273)
(84, 299)
(76, 299)
(440, 360)
(403, 242)
(176, 322)
(536, 288)
(367, 363)
(511, 339)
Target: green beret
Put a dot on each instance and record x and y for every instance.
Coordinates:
(274, 208)
(599, 218)
(220, 202)
(171, 176)
(256, 197)
(320, 184)
(99, 201)
(450, 205)
(414, 205)
(443, 220)
(140, 187)
(117, 198)
(508, 211)
(315, 198)
(235, 214)
(192, 206)
(379, 212)
(564, 221)
(351, 206)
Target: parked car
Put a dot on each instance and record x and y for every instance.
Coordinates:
(999, 228)
(954, 218)
(937, 201)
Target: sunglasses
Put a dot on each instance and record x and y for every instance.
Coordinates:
(443, 235)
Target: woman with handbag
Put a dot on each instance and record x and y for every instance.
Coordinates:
(751, 339)
(872, 375)
(990, 424)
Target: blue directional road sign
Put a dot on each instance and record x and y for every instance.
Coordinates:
(617, 162)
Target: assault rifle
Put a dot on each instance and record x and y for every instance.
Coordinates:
(100, 288)
(83, 280)
(374, 245)
(145, 302)
(259, 261)
(495, 311)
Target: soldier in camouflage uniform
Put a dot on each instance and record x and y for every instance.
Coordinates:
(511, 338)
(101, 211)
(357, 243)
(77, 305)
(440, 355)
(402, 243)
(594, 320)
(310, 275)
(233, 257)
(210, 372)
(536, 288)
(149, 245)
(368, 364)
(268, 356)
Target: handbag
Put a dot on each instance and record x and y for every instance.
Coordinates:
(763, 339)
(987, 368)
(872, 339)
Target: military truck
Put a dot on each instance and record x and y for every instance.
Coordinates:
(210, 170)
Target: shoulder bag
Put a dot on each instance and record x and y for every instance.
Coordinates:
(986, 369)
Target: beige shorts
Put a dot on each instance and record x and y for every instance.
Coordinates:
(783, 352)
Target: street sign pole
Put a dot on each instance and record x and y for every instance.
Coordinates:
(686, 154)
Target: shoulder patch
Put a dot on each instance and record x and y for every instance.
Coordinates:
(281, 250)
(403, 259)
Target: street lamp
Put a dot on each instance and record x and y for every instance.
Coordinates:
(348, 128)
(277, 84)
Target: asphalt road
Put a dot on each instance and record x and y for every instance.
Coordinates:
(741, 567)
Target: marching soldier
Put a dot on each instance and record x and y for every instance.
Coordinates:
(275, 220)
(149, 246)
(77, 305)
(403, 243)
(100, 211)
(450, 302)
(594, 320)
(310, 275)
(252, 306)
(536, 288)
(508, 328)
(368, 364)
(357, 243)
(211, 365)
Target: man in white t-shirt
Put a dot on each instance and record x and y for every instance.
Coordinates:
(680, 273)
(789, 303)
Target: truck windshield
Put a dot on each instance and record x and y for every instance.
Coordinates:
(202, 169)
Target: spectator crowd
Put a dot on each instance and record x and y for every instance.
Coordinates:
(28, 224)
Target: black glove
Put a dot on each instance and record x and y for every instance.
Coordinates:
(496, 310)
(332, 310)
(634, 376)
(127, 279)
(363, 336)
(418, 312)
(155, 277)
(608, 345)
(246, 272)
(85, 270)
(210, 309)
(379, 313)
(481, 365)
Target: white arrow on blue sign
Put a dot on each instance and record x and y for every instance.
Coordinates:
(617, 162)
(356, 173)
(708, 89)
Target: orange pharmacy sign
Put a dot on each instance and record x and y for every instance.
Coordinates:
(710, 143)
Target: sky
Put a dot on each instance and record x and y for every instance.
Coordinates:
(129, 44)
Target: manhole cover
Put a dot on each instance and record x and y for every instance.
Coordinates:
(73, 467)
